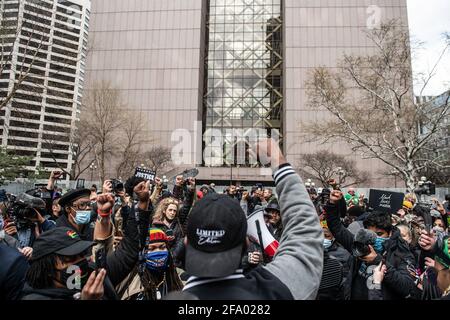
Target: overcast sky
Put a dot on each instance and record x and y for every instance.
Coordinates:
(427, 21)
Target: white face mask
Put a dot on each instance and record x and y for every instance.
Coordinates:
(327, 243)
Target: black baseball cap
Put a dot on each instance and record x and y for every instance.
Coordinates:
(216, 232)
(73, 195)
(63, 241)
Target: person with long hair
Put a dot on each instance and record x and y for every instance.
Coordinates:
(171, 216)
(155, 275)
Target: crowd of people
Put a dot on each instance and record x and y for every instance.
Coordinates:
(140, 241)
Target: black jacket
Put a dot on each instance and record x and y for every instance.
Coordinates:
(119, 262)
(13, 267)
(86, 232)
(397, 284)
(179, 224)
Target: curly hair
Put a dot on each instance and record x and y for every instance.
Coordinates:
(162, 207)
(380, 220)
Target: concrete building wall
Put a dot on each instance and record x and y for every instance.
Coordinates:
(153, 52)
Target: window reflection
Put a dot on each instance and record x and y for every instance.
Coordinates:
(244, 65)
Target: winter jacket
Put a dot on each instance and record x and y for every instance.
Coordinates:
(331, 284)
(300, 253)
(397, 284)
(120, 263)
(179, 224)
(13, 267)
(86, 232)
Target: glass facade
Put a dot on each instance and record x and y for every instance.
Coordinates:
(243, 71)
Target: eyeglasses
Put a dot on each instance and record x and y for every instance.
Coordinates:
(82, 205)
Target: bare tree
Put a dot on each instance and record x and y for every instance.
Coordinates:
(325, 165)
(132, 141)
(103, 113)
(158, 158)
(372, 107)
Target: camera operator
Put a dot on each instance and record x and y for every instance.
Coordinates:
(379, 240)
(24, 221)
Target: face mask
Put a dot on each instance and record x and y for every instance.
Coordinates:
(327, 243)
(157, 261)
(379, 244)
(74, 280)
(438, 229)
(82, 217)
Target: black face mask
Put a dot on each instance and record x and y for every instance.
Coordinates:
(70, 277)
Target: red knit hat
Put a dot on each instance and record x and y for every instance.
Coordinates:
(156, 235)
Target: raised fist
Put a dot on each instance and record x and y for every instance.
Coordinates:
(143, 191)
(335, 196)
(105, 203)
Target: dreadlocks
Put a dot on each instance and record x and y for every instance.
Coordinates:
(42, 272)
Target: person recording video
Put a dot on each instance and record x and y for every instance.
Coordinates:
(379, 240)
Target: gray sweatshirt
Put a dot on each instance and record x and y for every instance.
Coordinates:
(296, 270)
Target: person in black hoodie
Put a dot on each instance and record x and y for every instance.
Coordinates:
(389, 246)
(58, 253)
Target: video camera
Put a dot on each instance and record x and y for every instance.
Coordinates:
(22, 208)
(363, 238)
(117, 185)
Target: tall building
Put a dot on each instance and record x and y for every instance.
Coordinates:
(45, 45)
(221, 66)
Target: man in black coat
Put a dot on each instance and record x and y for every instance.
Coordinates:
(389, 245)
(76, 213)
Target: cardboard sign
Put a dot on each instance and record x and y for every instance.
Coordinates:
(146, 174)
(386, 201)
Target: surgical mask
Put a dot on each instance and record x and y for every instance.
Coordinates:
(82, 217)
(379, 244)
(157, 261)
(438, 229)
(327, 243)
(75, 276)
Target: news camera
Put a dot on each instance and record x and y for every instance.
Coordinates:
(22, 208)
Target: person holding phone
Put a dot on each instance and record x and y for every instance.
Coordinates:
(398, 283)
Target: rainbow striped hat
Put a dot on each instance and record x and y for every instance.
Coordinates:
(156, 235)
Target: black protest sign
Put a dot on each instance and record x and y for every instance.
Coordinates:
(386, 201)
(146, 174)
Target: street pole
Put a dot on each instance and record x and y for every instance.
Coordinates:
(231, 175)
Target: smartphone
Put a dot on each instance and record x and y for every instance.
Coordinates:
(100, 259)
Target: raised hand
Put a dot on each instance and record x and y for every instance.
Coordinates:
(105, 203)
(336, 196)
(93, 289)
(107, 186)
(143, 191)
